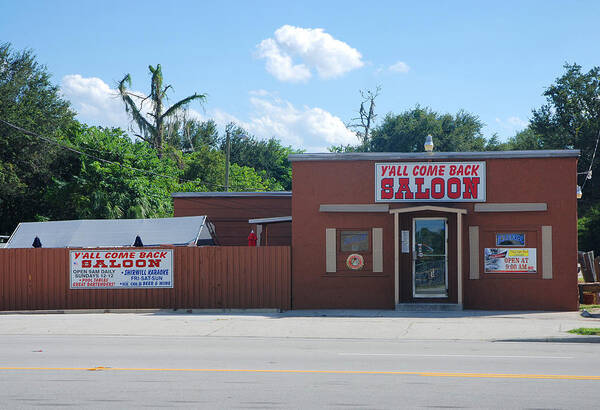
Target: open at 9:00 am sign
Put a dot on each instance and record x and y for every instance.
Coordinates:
(430, 181)
(118, 269)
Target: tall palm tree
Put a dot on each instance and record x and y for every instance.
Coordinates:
(153, 132)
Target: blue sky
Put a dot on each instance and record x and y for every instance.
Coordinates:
(266, 65)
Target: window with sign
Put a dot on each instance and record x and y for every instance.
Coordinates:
(354, 241)
(510, 239)
(354, 252)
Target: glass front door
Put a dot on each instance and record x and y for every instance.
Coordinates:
(430, 257)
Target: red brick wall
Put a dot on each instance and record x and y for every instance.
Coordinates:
(230, 216)
(549, 180)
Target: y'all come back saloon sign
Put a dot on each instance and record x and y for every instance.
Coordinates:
(430, 181)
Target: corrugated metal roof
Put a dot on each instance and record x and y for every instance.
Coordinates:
(88, 233)
(230, 194)
(392, 156)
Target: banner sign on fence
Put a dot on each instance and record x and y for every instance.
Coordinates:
(119, 269)
(510, 260)
(430, 181)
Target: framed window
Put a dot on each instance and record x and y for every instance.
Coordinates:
(354, 241)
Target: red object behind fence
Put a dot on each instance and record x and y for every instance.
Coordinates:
(252, 239)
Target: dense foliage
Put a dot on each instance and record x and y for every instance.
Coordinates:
(68, 170)
(30, 100)
(406, 132)
(571, 119)
(268, 157)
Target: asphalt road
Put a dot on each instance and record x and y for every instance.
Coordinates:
(100, 371)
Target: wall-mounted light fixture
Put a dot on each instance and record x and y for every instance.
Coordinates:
(588, 175)
(429, 143)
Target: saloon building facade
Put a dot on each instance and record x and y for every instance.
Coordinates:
(484, 230)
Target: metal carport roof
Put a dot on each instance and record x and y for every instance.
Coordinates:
(92, 233)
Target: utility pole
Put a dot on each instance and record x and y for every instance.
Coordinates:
(228, 129)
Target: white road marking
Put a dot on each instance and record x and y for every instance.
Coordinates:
(455, 355)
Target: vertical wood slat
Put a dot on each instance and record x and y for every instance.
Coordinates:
(547, 253)
(473, 252)
(377, 249)
(330, 250)
(209, 277)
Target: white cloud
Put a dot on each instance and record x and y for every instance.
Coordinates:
(260, 92)
(517, 122)
(280, 65)
(95, 102)
(512, 124)
(317, 49)
(399, 67)
(311, 128)
(98, 104)
(307, 127)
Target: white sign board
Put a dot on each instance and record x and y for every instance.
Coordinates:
(405, 241)
(430, 182)
(121, 269)
(510, 260)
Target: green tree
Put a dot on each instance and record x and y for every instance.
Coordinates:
(206, 166)
(525, 140)
(267, 157)
(135, 183)
(571, 119)
(191, 135)
(153, 132)
(29, 100)
(406, 132)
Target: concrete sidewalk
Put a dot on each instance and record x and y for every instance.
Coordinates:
(331, 324)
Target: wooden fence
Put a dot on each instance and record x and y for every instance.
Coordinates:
(203, 277)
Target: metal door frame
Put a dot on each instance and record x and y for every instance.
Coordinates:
(414, 251)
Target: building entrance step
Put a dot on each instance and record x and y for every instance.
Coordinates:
(428, 307)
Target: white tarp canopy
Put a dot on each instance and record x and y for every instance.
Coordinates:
(94, 233)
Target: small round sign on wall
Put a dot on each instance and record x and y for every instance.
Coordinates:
(355, 261)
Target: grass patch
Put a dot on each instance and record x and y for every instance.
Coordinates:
(587, 331)
(588, 307)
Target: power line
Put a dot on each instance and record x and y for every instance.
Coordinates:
(589, 175)
(55, 142)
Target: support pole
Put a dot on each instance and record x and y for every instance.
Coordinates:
(459, 246)
(227, 153)
(396, 261)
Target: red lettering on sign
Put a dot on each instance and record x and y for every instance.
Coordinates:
(387, 188)
(384, 168)
(453, 188)
(420, 194)
(127, 263)
(404, 191)
(140, 263)
(100, 264)
(470, 187)
(113, 264)
(432, 170)
(154, 263)
(86, 264)
(437, 194)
